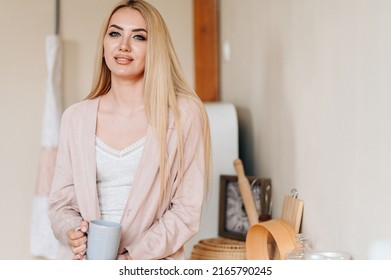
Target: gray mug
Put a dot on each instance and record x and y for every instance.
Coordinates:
(103, 239)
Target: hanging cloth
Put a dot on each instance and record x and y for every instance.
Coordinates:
(42, 241)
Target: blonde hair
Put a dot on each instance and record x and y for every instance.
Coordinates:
(164, 83)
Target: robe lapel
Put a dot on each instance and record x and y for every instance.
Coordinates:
(145, 176)
(146, 183)
(89, 157)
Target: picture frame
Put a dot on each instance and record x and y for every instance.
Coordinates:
(233, 221)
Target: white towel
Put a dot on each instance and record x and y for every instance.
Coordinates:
(42, 242)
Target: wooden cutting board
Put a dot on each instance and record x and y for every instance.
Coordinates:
(292, 211)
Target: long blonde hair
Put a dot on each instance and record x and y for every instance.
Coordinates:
(164, 83)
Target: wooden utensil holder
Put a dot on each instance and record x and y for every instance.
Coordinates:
(274, 238)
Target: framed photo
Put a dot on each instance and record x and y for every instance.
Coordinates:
(233, 221)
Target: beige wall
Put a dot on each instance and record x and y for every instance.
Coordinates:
(22, 74)
(311, 81)
(309, 78)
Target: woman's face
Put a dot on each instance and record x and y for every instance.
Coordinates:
(125, 44)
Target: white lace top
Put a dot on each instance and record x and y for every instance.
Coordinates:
(114, 177)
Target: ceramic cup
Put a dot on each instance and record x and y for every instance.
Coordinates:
(103, 239)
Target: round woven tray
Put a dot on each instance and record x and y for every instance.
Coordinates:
(219, 249)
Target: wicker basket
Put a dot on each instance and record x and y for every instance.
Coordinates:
(219, 249)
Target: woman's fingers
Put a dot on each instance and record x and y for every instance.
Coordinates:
(84, 226)
(77, 241)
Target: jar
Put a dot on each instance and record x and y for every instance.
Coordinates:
(301, 249)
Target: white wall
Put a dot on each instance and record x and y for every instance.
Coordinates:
(311, 80)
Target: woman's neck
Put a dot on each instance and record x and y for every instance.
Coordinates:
(126, 95)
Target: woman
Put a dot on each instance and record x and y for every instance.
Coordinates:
(137, 149)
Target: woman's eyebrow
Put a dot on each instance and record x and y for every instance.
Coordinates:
(116, 26)
(134, 30)
(140, 29)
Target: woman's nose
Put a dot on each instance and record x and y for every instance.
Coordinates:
(125, 45)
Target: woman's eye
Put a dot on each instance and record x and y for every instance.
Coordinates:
(114, 34)
(139, 37)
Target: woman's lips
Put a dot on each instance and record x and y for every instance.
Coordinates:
(123, 59)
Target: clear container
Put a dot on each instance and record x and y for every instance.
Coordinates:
(329, 255)
(302, 248)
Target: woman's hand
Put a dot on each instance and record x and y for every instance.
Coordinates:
(77, 241)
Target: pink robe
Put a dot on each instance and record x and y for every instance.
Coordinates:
(149, 231)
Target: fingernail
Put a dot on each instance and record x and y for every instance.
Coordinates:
(83, 229)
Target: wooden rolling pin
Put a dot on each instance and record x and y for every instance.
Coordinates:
(246, 193)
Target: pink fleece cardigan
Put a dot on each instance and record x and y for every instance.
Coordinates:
(149, 231)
